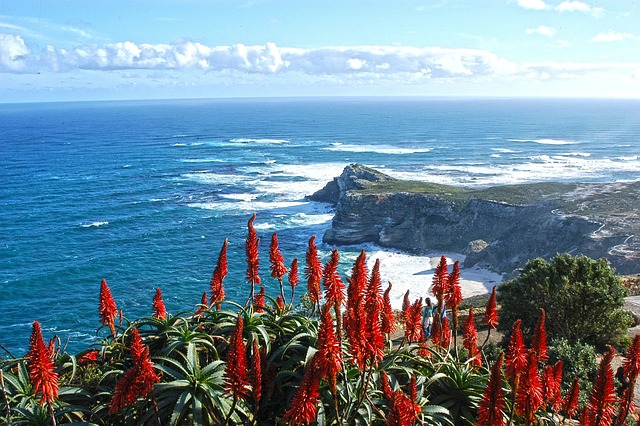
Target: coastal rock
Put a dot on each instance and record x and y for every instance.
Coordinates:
(499, 228)
(354, 177)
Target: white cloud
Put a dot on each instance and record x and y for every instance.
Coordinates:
(268, 65)
(260, 59)
(578, 6)
(533, 4)
(542, 30)
(14, 53)
(614, 36)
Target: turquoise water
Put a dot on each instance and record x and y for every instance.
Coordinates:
(144, 193)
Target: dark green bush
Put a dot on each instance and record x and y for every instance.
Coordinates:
(582, 297)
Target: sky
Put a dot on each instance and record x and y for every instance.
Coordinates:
(157, 49)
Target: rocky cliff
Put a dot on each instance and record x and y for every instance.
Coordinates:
(499, 227)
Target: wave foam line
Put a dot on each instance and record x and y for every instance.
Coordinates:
(545, 141)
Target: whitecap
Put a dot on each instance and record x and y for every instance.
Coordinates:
(93, 224)
(178, 144)
(240, 197)
(546, 141)
(577, 154)
(260, 140)
(505, 150)
(495, 155)
(378, 149)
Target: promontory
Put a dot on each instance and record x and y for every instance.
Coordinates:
(498, 227)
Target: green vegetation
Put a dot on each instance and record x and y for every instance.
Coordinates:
(339, 359)
(522, 194)
(582, 297)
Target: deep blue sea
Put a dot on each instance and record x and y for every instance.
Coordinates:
(143, 193)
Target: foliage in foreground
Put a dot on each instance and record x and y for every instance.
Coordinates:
(582, 297)
(266, 363)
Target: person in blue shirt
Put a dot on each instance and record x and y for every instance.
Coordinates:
(427, 318)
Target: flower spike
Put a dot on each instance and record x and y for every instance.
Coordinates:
(159, 310)
(41, 368)
(108, 309)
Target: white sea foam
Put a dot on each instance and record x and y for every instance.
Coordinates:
(495, 155)
(178, 144)
(545, 141)
(505, 150)
(577, 154)
(93, 224)
(249, 206)
(379, 149)
(265, 140)
(240, 197)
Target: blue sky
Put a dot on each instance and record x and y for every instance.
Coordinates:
(141, 49)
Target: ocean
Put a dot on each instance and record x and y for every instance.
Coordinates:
(143, 193)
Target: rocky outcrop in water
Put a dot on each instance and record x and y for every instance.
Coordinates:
(499, 228)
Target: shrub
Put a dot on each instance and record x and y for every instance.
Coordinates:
(582, 297)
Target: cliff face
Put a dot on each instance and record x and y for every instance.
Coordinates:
(492, 232)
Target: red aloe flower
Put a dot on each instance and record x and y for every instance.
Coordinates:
(529, 396)
(313, 271)
(138, 380)
(293, 278)
(551, 383)
(293, 273)
(108, 309)
(470, 334)
(413, 324)
(280, 302)
(570, 403)
(374, 339)
(125, 392)
(334, 288)
(256, 372)
(603, 397)
(385, 386)
(631, 367)
(492, 402)
(41, 368)
(159, 310)
(539, 342)
(491, 312)
(329, 351)
(454, 297)
(142, 362)
(388, 318)
(359, 279)
(516, 358)
(259, 302)
(454, 294)
(413, 395)
(251, 248)
(406, 305)
(303, 408)
(631, 362)
(401, 410)
(89, 357)
(278, 268)
(203, 304)
(236, 371)
(445, 339)
(218, 276)
(440, 281)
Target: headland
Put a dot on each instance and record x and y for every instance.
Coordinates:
(498, 228)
